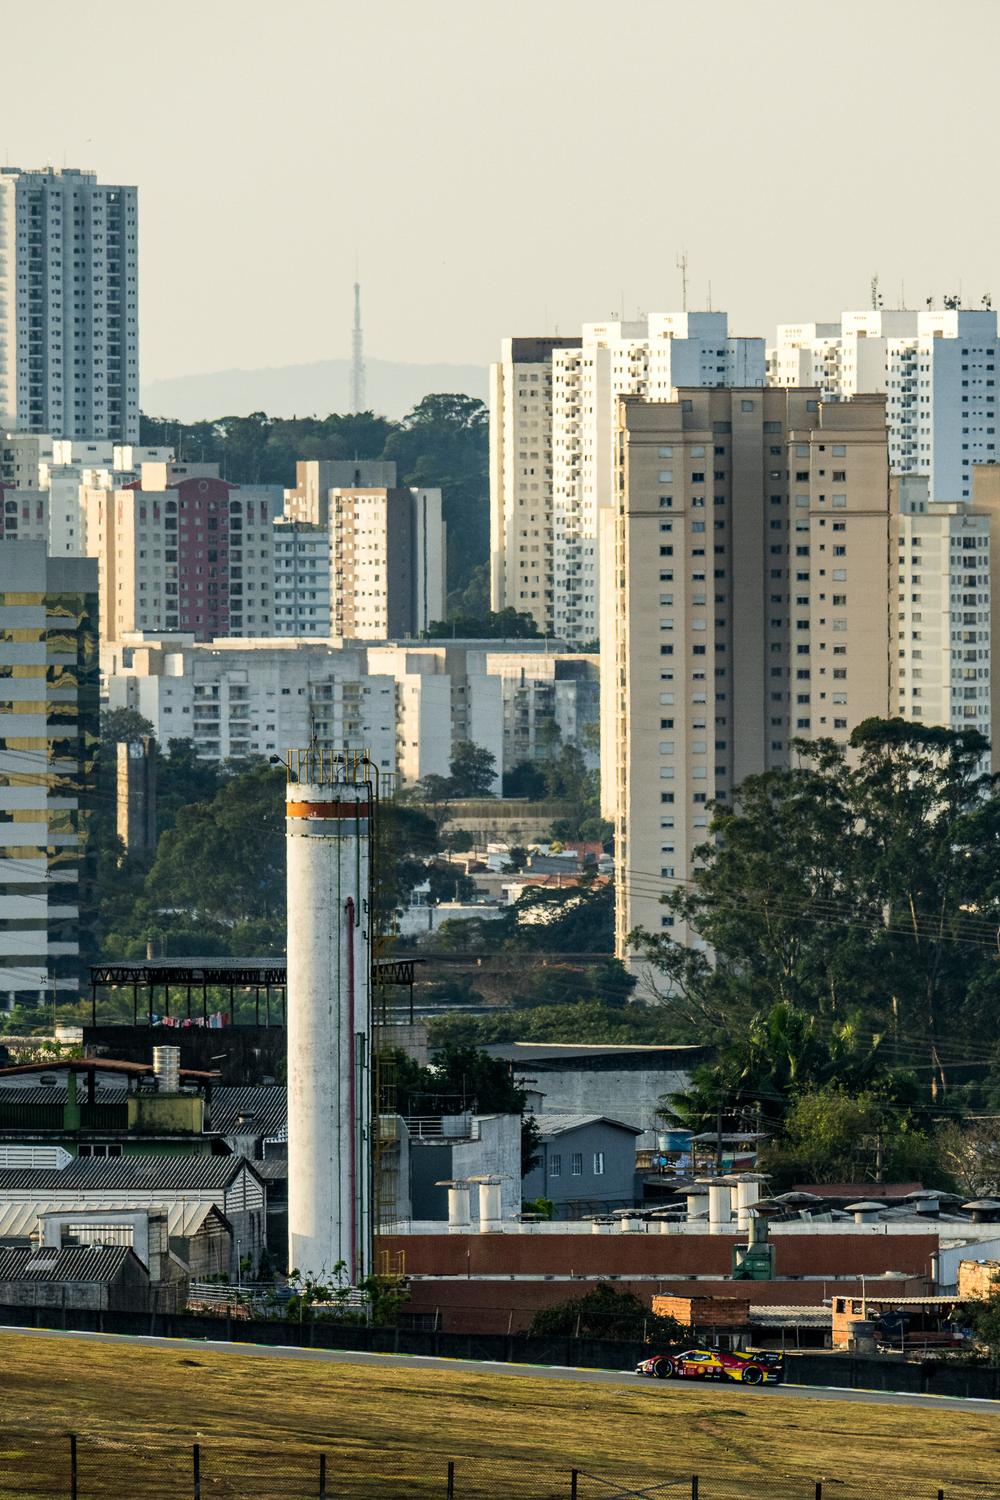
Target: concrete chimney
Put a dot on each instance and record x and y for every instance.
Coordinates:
(489, 1207)
(329, 806)
(720, 1210)
(458, 1207)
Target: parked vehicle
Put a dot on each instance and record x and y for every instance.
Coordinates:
(749, 1367)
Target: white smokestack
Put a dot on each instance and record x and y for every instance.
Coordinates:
(720, 1201)
(489, 1207)
(458, 1206)
(328, 819)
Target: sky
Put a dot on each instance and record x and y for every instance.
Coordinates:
(516, 168)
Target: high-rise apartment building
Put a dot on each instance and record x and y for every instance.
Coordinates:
(48, 734)
(937, 368)
(48, 480)
(315, 478)
(748, 550)
(185, 551)
(941, 665)
(236, 699)
(301, 578)
(652, 358)
(521, 519)
(69, 320)
(387, 562)
(553, 421)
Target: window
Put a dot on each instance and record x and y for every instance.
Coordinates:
(577, 1164)
(598, 1163)
(555, 1166)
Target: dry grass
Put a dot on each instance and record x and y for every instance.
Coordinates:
(389, 1431)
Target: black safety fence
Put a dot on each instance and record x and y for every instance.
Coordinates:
(931, 1376)
(81, 1467)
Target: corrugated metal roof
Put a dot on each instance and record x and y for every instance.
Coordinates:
(39, 1095)
(265, 1105)
(553, 1124)
(126, 1173)
(73, 1263)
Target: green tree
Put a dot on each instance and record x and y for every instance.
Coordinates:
(123, 724)
(444, 442)
(780, 1054)
(576, 1022)
(462, 1078)
(832, 1136)
(524, 780)
(225, 859)
(505, 624)
(851, 886)
(983, 1315)
(182, 779)
(473, 770)
(606, 1312)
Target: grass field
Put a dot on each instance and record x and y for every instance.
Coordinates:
(263, 1422)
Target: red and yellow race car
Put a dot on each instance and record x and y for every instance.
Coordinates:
(748, 1366)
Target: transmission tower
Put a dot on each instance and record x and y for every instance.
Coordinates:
(358, 401)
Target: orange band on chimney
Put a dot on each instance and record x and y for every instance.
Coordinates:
(326, 809)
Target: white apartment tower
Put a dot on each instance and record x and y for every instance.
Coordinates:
(521, 518)
(942, 663)
(69, 321)
(547, 497)
(301, 578)
(938, 369)
(749, 553)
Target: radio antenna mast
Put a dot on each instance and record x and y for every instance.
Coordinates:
(358, 400)
(682, 266)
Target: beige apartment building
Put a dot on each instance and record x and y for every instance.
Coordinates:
(317, 478)
(749, 553)
(521, 478)
(387, 562)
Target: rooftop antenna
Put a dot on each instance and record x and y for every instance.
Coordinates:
(358, 402)
(710, 296)
(876, 298)
(682, 266)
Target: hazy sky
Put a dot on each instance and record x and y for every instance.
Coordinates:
(512, 168)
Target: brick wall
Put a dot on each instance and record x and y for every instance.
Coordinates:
(659, 1255)
(976, 1277)
(704, 1312)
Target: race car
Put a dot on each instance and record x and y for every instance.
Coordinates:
(748, 1367)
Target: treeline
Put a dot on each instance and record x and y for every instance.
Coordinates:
(442, 443)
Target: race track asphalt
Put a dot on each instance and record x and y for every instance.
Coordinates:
(656, 1389)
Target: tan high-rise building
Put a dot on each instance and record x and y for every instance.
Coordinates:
(521, 478)
(748, 552)
(387, 562)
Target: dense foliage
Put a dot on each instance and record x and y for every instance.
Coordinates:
(442, 443)
(859, 888)
(606, 1312)
(462, 1078)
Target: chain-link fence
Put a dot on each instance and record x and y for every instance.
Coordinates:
(91, 1468)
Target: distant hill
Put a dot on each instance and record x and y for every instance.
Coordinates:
(306, 390)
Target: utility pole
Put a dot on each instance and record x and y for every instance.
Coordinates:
(358, 398)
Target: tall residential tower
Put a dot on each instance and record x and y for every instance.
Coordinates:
(749, 549)
(69, 320)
